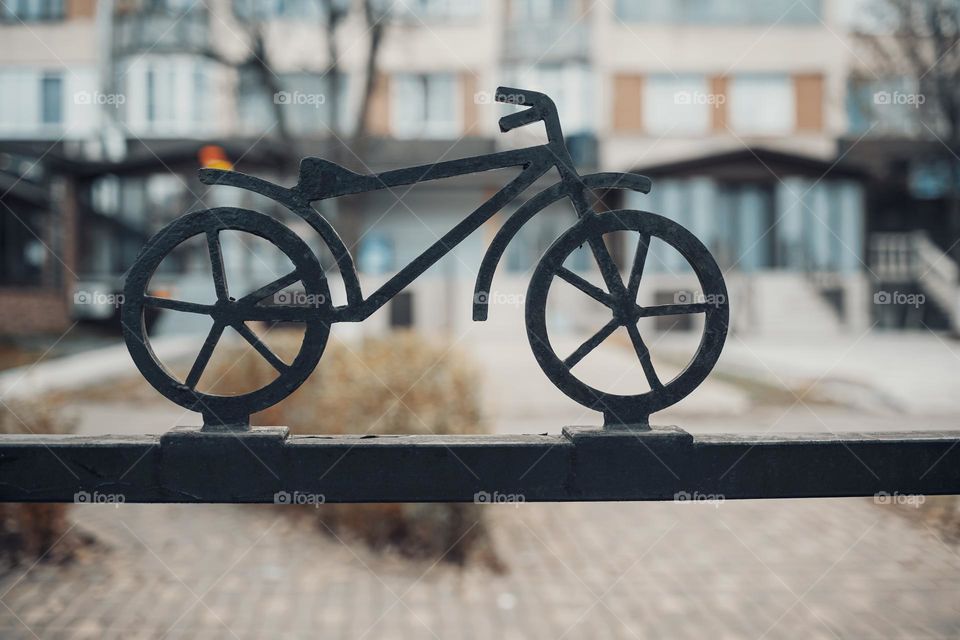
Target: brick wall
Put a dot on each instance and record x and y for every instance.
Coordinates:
(27, 310)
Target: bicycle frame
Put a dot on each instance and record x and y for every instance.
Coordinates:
(321, 179)
(536, 162)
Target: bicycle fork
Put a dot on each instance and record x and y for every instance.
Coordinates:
(577, 193)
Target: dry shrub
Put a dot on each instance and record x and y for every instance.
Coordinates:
(944, 513)
(399, 384)
(938, 513)
(31, 531)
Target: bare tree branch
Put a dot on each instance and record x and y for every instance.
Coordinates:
(920, 40)
(375, 18)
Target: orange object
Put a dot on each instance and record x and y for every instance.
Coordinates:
(214, 157)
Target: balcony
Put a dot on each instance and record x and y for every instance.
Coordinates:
(162, 31)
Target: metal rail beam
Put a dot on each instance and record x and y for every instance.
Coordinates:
(267, 465)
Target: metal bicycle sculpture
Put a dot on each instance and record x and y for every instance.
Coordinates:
(320, 179)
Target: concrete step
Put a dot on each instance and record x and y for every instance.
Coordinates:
(780, 304)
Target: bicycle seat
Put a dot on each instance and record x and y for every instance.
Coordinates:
(321, 178)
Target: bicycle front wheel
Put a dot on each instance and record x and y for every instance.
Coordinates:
(620, 299)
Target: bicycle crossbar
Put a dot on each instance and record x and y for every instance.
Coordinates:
(267, 465)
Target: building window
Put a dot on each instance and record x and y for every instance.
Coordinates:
(434, 10)
(151, 91)
(569, 85)
(889, 105)
(677, 104)
(721, 12)
(306, 101)
(309, 102)
(162, 26)
(283, 9)
(254, 9)
(38, 108)
(426, 106)
(16, 115)
(530, 243)
(762, 104)
(527, 11)
(931, 178)
(31, 10)
(51, 99)
(376, 255)
(201, 94)
(254, 102)
(168, 96)
(401, 310)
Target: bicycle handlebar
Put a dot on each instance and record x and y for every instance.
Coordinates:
(539, 107)
(519, 119)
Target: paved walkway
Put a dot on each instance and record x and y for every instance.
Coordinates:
(753, 569)
(75, 371)
(874, 382)
(782, 569)
(909, 372)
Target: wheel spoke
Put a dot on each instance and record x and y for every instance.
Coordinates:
(204, 356)
(608, 268)
(594, 292)
(268, 290)
(177, 305)
(216, 263)
(639, 260)
(591, 344)
(261, 348)
(673, 309)
(644, 354)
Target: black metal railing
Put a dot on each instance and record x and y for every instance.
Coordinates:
(582, 464)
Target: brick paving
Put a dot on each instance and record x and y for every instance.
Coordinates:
(774, 569)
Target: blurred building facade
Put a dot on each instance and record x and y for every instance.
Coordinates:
(741, 111)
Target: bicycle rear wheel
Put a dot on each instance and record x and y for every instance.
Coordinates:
(229, 312)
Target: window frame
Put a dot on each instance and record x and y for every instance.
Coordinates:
(428, 131)
(750, 124)
(648, 100)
